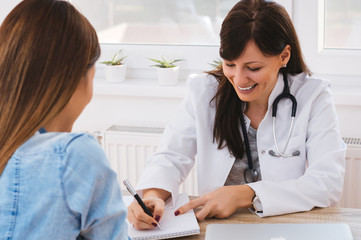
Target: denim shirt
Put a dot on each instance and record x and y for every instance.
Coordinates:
(60, 186)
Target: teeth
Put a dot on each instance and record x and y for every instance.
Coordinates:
(247, 88)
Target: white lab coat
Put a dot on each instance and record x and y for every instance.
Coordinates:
(312, 179)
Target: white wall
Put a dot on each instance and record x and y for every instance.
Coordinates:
(106, 110)
(5, 7)
(350, 120)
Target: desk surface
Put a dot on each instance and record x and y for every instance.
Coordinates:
(351, 216)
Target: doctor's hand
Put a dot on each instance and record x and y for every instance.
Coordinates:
(153, 199)
(220, 203)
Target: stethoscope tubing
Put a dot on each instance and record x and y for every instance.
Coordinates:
(285, 94)
(246, 142)
(282, 154)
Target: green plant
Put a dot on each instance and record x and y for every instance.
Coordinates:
(216, 63)
(165, 63)
(116, 60)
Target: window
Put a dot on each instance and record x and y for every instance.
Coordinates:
(192, 22)
(342, 24)
(187, 29)
(329, 31)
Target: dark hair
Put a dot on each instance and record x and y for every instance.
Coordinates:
(46, 48)
(268, 25)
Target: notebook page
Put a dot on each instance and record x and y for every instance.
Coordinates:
(171, 226)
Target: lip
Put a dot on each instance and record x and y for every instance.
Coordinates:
(247, 89)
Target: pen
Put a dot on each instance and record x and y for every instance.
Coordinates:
(139, 200)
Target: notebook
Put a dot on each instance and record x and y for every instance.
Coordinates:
(279, 231)
(171, 226)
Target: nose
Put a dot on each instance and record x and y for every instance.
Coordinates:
(239, 77)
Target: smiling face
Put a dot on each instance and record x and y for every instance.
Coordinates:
(254, 75)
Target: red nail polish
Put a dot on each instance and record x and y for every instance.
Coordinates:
(157, 218)
(177, 213)
(154, 224)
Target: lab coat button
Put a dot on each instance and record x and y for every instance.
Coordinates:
(263, 151)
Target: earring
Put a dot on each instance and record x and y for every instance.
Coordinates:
(284, 65)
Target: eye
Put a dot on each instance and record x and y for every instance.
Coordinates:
(230, 65)
(254, 69)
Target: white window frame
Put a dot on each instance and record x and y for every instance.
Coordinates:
(308, 17)
(197, 57)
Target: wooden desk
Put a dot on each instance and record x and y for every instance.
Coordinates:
(351, 216)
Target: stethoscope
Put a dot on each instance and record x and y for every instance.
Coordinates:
(251, 174)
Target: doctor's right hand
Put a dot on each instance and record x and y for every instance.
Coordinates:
(153, 199)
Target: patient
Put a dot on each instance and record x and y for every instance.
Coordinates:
(53, 184)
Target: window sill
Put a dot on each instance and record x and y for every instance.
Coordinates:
(138, 88)
(343, 95)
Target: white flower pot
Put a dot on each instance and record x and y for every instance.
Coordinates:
(115, 73)
(168, 76)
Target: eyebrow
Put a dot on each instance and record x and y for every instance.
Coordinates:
(253, 62)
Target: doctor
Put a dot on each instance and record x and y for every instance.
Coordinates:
(250, 154)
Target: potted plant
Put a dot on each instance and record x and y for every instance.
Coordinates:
(167, 71)
(216, 63)
(115, 69)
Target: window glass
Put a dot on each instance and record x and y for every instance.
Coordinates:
(189, 22)
(342, 24)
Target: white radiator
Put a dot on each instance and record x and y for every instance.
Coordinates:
(127, 148)
(351, 196)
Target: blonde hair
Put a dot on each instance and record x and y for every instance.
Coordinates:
(46, 47)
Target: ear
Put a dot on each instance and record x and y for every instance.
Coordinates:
(285, 55)
(87, 79)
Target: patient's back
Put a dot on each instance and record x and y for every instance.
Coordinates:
(60, 186)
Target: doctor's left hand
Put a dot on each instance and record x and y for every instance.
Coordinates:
(221, 202)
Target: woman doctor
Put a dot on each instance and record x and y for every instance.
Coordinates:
(280, 165)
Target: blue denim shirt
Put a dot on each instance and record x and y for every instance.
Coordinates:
(60, 186)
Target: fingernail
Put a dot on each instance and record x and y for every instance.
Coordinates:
(154, 224)
(157, 218)
(177, 213)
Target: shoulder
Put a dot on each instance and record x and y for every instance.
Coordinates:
(83, 144)
(83, 153)
(53, 142)
(303, 80)
(201, 85)
(201, 80)
(73, 148)
(305, 86)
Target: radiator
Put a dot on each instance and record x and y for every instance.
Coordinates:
(351, 196)
(127, 148)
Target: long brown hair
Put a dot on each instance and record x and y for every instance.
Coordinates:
(268, 25)
(46, 47)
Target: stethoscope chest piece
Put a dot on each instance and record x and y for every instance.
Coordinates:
(251, 174)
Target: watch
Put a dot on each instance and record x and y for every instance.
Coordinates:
(257, 205)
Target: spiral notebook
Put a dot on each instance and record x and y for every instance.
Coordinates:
(171, 226)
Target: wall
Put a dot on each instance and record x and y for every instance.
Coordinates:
(129, 103)
(137, 102)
